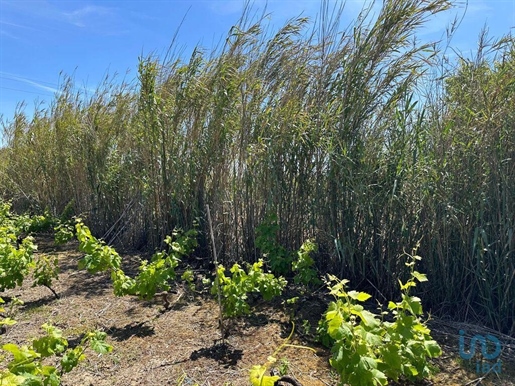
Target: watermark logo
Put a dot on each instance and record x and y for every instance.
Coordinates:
(490, 350)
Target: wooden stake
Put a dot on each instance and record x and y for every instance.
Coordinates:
(217, 282)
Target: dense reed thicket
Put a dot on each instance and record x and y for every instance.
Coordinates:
(338, 133)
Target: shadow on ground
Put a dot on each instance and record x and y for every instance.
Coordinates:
(33, 304)
(128, 331)
(223, 353)
(88, 285)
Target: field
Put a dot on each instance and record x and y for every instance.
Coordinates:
(287, 156)
(182, 345)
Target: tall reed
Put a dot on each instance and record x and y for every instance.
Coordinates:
(326, 128)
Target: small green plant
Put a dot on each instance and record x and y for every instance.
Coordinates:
(64, 232)
(291, 306)
(282, 261)
(17, 259)
(278, 257)
(27, 368)
(236, 288)
(99, 256)
(283, 366)
(408, 341)
(154, 275)
(305, 327)
(305, 274)
(37, 223)
(67, 213)
(16, 252)
(5, 315)
(45, 271)
(367, 350)
(189, 278)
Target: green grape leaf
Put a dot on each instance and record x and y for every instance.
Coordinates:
(432, 348)
(33, 380)
(24, 359)
(422, 329)
(51, 344)
(20, 354)
(368, 318)
(71, 359)
(9, 379)
(413, 372)
(7, 322)
(419, 276)
(406, 286)
(334, 321)
(372, 339)
(359, 296)
(99, 345)
(415, 304)
(379, 377)
(391, 354)
(258, 377)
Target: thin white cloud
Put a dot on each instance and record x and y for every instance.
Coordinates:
(39, 85)
(481, 7)
(30, 82)
(58, 16)
(13, 30)
(84, 16)
(7, 34)
(14, 25)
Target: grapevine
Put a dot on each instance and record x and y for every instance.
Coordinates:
(369, 351)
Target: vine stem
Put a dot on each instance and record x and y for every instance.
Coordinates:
(217, 281)
(286, 344)
(51, 289)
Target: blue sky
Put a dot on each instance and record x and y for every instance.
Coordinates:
(87, 39)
